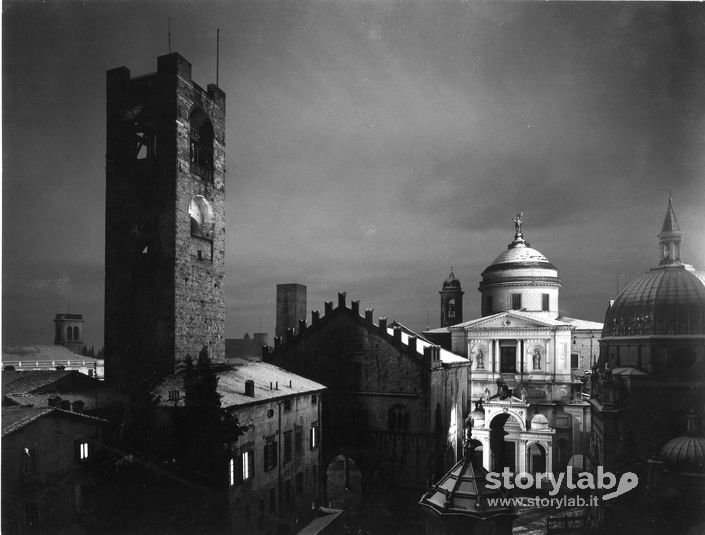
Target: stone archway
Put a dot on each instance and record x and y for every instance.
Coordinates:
(344, 483)
(536, 458)
(504, 442)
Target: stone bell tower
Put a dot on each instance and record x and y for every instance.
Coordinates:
(165, 221)
(451, 301)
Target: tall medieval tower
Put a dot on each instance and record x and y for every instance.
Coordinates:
(165, 221)
(451, 301)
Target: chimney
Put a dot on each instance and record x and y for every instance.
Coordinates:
(355, 307)
(277, 342)
(315, 316)
(289, 334)
(369, 315)
(383, 325)
(397, 334)
(328, 307)
(250, 388)
(341, 299)
(265, 351)
(302, 326)
(412, 346)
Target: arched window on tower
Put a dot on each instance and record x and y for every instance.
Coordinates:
(451, 309)
(201, 147)
(75, 333)
(69, 333)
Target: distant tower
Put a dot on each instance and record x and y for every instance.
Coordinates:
(69, 331)
(451, 301)
(291, 307)
(670, 237)
(165, 221)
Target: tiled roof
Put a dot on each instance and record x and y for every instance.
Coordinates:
(26, 382)
(15, 418)
(270, 381)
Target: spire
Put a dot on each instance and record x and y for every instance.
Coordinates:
(670, 237)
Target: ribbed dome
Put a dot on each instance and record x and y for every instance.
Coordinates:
(685, 454)
(520, 261)
(669, 299)
(451, 283)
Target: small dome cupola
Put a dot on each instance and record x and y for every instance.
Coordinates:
(686, 453)
(670, 238)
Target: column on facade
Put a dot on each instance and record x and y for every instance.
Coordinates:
(521, 452)
(495, 356)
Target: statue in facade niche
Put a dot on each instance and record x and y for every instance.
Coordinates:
(537, 358)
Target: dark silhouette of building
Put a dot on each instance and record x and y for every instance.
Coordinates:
(395, 403)
(48, 469)
(451, 301)
(648, 393)
(249, 347)
(68, 331)
(165, 224)
(291, 307)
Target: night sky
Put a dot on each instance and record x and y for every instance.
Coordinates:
(370, 146)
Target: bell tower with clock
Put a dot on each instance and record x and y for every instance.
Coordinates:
(165, 222)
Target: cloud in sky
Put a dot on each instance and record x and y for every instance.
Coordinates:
(370, 146)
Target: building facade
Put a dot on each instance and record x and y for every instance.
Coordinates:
(271, 472)
(395, 403)
(165, 221)
(48, 456)
(527, 364)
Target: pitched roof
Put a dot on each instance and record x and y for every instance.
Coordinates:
(15, 418)
(388, 333)
(517, 314)
(42, 353)
(14, 382)
(270, 382)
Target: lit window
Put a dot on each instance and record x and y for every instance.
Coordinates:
(247, 464)
(314, 435)
(27, 461)
(231, 471)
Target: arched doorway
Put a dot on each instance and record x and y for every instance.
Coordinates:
(343, 483)
(536, 458)
(504, 433)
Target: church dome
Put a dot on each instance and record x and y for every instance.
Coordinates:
(668, 299)
(479, 413)
(685, 454)
(521, 278)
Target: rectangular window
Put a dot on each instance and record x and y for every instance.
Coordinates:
(270, 455)
(299, 483)
(573, 360)
(298, 440)
(314, 435)
(287, 491)
(287, 405)
(82, 451)
(174, 395)
(247, 465)
(516, 301)
(272, 500)
(231, 472)
(287, 446)
(314, 399)
(544, 302)
(508, 359)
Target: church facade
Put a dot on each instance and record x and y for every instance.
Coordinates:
(527, 365)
